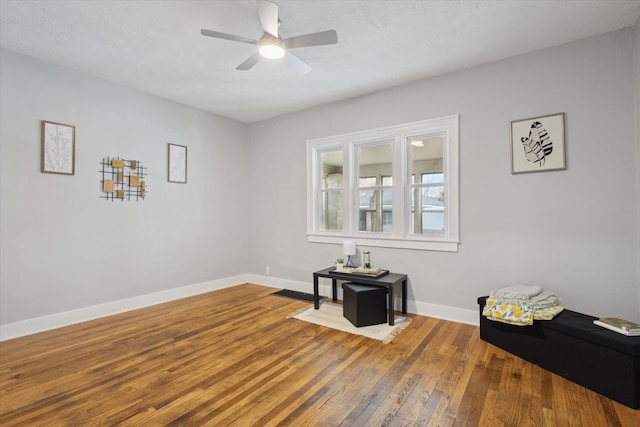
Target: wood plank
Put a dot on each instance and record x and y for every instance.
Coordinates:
(232, 357)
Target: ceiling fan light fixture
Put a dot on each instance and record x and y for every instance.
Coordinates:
(270, 45)
(271, 50)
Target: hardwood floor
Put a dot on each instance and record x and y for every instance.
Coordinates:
(231, 357)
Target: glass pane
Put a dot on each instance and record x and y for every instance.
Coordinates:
(387, 181)
(375, 160)
(426, 155)
(387, 199)
(367, 181)
(416, 218)
(433, 210)
(387, 210)
(432, 178)
(367, 199)
(332, 166)
(433, 195)
(375, 210)
(367, 207)
(433, 222)
(387, 222)
(331, 205)
(427, 215)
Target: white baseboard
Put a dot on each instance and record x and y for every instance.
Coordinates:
(58, 320)
(460, 315)
(66, 318)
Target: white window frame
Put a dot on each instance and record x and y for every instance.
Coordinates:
(401, 235)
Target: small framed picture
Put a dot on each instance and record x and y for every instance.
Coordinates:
(177, 169)
(537, 144)
(58, 148)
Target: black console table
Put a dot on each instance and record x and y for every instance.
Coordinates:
(387, 281)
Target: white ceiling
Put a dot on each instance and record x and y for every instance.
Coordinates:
(156, 46)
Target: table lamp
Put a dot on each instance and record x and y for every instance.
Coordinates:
(349, 248)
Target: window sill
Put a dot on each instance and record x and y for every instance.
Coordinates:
(420, 245)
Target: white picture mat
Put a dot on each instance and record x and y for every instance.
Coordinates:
(177, 163)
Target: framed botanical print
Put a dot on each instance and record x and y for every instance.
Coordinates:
(177, 168)
(537, 144)
(58, 148)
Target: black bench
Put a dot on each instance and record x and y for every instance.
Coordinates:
(571, 346)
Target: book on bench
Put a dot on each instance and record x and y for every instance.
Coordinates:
(618, 325)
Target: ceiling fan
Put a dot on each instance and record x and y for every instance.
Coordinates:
(270, 45)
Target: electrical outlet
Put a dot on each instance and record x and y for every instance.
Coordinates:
(267, 270)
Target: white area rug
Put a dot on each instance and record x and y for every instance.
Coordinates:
(330, 315)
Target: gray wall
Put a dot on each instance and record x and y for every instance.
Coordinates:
(636, 78)
(62, 246)
(575, 232)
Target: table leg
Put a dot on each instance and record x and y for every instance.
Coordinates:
(392, 314)
(404, 296)
(316, 297)
(334, 288)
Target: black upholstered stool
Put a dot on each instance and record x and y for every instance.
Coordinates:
(364, 305)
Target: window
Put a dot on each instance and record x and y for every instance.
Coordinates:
(374, 190)
(427, 195)
(391, 187)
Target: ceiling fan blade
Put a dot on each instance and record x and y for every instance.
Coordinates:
(313, 39)
(296, 63)
(268, 14)
(249, 63)
(226, 36)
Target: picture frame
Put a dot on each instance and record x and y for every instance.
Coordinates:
(177, 163)
(538, 144)
(58, 148)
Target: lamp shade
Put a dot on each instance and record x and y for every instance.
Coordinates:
(349, 247)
